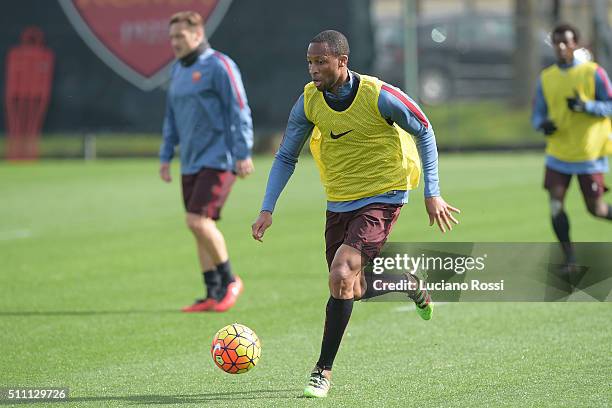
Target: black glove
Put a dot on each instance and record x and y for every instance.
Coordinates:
(548, 127)
(576, 103)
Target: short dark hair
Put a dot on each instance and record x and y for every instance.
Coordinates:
(191, 18)
(562, 28)
(337, 42)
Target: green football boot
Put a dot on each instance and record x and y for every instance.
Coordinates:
(425, 312)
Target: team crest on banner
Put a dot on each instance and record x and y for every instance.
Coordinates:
(131, 36)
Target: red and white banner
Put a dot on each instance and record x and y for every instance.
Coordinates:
(131, 36)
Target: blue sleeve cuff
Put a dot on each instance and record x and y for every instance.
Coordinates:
(589, 106)
(432, 191)
(598, 108)
(428, 151)
(166, 156)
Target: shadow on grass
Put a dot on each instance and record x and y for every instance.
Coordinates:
(26, 313)
(175, 399)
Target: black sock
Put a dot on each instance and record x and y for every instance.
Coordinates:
(212, 282)
(609, 215)
(420, 296)
(225, 272)
(561, 226)
(337, 315)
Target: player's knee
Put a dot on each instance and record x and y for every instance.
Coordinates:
(200, 226)
(556, 207)
(192, 222)
(341, 280)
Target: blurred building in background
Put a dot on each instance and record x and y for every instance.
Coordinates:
(467, 49)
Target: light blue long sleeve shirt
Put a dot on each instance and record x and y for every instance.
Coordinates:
(207, 114)
(601, 106)
(393, 105)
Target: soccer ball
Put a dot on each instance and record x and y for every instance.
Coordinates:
(235, 349)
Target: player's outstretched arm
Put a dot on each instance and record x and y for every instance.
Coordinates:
(395, 105)
(441, 212)
(261, 224)
(298, 130)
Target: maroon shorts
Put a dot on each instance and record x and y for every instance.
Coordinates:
(365, 229)
(205, 192)
(591, 185)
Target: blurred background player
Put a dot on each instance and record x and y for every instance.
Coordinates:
(572, 107)
(208, 116)
(368, 162)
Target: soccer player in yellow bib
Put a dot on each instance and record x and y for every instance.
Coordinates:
(572, 107)
(360, 130)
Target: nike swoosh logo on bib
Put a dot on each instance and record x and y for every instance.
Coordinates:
(339, 135)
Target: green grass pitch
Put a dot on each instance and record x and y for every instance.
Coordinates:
(95, 261)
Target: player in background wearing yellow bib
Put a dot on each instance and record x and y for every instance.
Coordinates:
(362, 133)
(572, 107)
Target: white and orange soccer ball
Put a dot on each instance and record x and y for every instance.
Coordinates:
(235, 349)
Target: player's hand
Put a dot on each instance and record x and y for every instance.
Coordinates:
(576, 103)
(261, 224)
(244, 167)
(441, 212)
(548, 127)
(164, 172)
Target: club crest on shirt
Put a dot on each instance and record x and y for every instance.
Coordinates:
(196, 76)
(131, 37)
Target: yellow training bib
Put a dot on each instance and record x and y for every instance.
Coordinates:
(579, 136)
(357, 152)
